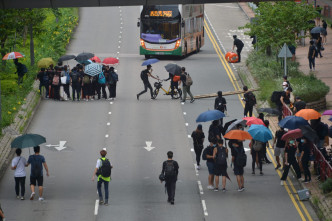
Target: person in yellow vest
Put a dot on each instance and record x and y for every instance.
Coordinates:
(103, 172)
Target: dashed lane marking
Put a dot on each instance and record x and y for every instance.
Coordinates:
(204, 208)
(189, 136)
(200, 187)
(106, 135)
(192, 150)
(96, 207)
(187, 124)
(109, 112)
(108, 123)
(184, 113)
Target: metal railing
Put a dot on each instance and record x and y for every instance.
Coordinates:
(320, 164)
(286, 111)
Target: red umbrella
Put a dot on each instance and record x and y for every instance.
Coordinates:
(111, 61)
(13, 55)
(95, 59)
(297, 133)
(253, 120)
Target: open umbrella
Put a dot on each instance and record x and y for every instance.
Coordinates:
(260, 133)
(13, 55)
(93, 69)
(150, 61)
(269, 110)
(297, 133)
(86, 62)
(66, 58)
(238, 135)
(225, 127)
(110, 61)
(253, 120)
(309, 133)
(233, 126)
(293, 122)
(327, 112)
(28, 140)
(173, 69)
(317, 30)
(95, 59)
(210, 115)
(308, 114)
(84, 56)
(45, 62)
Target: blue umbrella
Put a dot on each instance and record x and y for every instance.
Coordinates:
(150, 61)
(210, 115)
(293, 122)
(260, 133)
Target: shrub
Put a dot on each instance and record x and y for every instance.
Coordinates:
(8, 87)
(327, 186)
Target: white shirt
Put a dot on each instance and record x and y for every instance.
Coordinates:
(19, 162)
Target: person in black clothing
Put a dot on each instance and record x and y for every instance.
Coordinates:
(43, 81)
(170, 176)
(290, 160)
(261, 116)
(20, 70)
(113, 79)
(324, 32)
(284, 100)
(174, 84)
(76, 81)
(210, 161)
(237, 148)
(257, 157)
(239, 46)
(304, 158)
(318, 47)
(220, 104)
(299, 104)
(250, 100)
(198, 139)
(267, 124)
(145, 74)
(214, 130)
(311, 55)
(56, 83)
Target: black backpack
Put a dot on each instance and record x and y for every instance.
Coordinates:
(45, 77)
(169, 169)
(275, 97)
(221, 157)
(258, 145)
(24, 69)
(74, 77)
(36, 170)
(241, 159)
(204, 157)
(251, 98)
(105, 168)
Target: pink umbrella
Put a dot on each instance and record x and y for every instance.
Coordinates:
(13, 55)
(95, 59)
(253, 120)
(327, 112)
(297, 133)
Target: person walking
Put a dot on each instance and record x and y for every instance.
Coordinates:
(198, 140)
(250, 100)
(299, 104)
(185, 86)
(44, 81)
(114, 78)
(311, 55)
(170, 169)
(174, 84)
(18, 164)
(290, 160)
(239, 161)
(37, 162)
(21, 69)
(239, 46)
(319, 47)
(279, 147)
(103, 172)
(304, 158)
(75, 81)
(208, 156)
(214, 130)
(220, 155)
(220, 105)
(257, 154)
(324, 32)
(145, 74)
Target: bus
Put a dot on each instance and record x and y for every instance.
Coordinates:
(171, 29)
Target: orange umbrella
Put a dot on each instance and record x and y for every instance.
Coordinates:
(238, 135)
(308, 114)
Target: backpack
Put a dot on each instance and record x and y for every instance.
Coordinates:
(275, 97)
(86, 79)
(68, 77)
(221, 157)
(258, 145)
(115, 76)
(74, 77)
(189, 81)
(36, 170)
(251, 98)
(143, 75)
(101, 78)
(176, 78)
(105, 169)
(45, 77)
(56, 79)
(204, 157)
(24, 69)
(241, 159)
(169, 169)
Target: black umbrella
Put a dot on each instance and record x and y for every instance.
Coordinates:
(84, 56)
(66, 58)
(317, 30)
(173, 69)
(226, 126)
(269, 110)
(309, 133)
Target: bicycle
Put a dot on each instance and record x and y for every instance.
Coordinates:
(158, 85)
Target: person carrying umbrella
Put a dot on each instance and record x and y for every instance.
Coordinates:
(21, 69)
(18, 164)
(145, 74)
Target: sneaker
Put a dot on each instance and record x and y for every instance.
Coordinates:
(307, 181)
(192, 101)
(136, 96)
(261, 173)
(101, 202)
(152, 98)
(172, 202)
(278, 166)
(240, 189)
(106, 203)
(198, 167)
(223, 190)
(243, 188)
(210, 187)
(32, 196)
(41, 199)
(281, 183)
(216, 189)
(22, 198)
(253, 172)
(182, 101)
(91, 99)
(300, 179)
(17, 197)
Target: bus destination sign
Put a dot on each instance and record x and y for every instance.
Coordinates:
(161, 14)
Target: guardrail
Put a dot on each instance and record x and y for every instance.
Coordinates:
(286, 111)
(321, 165)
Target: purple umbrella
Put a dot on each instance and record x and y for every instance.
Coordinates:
(327, 112)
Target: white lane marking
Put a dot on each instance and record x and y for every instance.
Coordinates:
(184, 113)
(187, 124)
(109, 112)
(103, 149)
(120, 32)
(121, 23)
(120, 27)
(192, 149)
(59, 147)
(182, 103)
(108, 123)
(111, 102)
(189, 136)
(119, 41)
(120, 18)
(148, 146)
(119, 46)
(120, 36)
(96, 207)
(200, 187)
(196, 171)
(106, 135)
(204, 208)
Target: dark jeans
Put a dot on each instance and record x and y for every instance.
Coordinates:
(174, 85)
(76, 88)
(311, 62)
(56, 91)
(41, 85)
(305, 165)
(99, 188)
(66, 90)
(295, 166)
(146, 86)
(248, 108)
(103, 91)
(95, 89)
(170, 187)
(20, 79)
(19, 181)
(198, 151)
(238, 51)
(259, 154)
(280, 110)
(112, 90)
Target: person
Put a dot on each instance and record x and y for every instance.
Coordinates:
(319, 47)
(103, 172)
(2, 214)
(319, 12)
(220, 105)
(56, 82)
(113, 79)
(304, 159)
(43, 81)
(292, 49)
(285, 82)
(261, 116)
(102, 85)
(94, 87)
(220, 155)
(237, 154)
(18, 164)
(86, 86)
(250, 100)
(174, 84)
(66, 85)
(198, 140)
(75, 81)
(311, 55)
(21, 69)
(322, 132)
(239, 46)
(185, 87)
(214, 130)
(145, 74)
(208, 156)
(267, 124)
(279, 147)
(284, 100)
(257, 156)
(170, 169)
(290, 160)
(299, 104)
(324, 32)
(37, 162)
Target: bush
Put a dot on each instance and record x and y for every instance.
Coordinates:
(327, 186)
(8, 87)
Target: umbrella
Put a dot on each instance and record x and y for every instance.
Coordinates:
(95, 59)
(293, 122)
(253, 120)
(13, 55)
(111, 61)
(66, 58)
(260, 133)
(150, 61)
(210, 115)
(93, 69)
(297, 133)
(308, 114)
(28, 140)
(173, 69)
(316, 30)
(269, 110)
(86, 62)
(45, 62)
(309, 133)
(225, 127)
(238, 135)
(234, 125)
(84, 56)
(327, 112)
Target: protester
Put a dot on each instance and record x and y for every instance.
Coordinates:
(56, 82)
(145, 74)
(299, 104)
(220, 155)
(239, 160)
(103, 172)
(267, 124)
(284, 100)
(208, 156)
(324, 32)
(198, 140)
(21, 69)
(220, 104)
(37, 162)
(290, 160)
(322, 132)
(174, 83)
(239, 46)
(311, 55)
(279, 147)
(250, 100)
(170, 169)
(185, 86)
(43, 81)
(285, 83)
(87, 87)
(214, 130)
(257, 154)
(113, 79)
(18, 164)
(75, 81)
(66, 73)
(102, 85)
(304, 159)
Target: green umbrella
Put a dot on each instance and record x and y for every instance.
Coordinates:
(28, 140)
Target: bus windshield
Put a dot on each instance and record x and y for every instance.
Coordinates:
(160, 30)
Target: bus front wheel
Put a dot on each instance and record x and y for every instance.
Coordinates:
(147, 56)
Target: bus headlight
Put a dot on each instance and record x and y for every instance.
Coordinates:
(177, 44)
(143, 44)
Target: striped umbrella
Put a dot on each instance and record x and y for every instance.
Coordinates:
(13, 55)
(93, 69)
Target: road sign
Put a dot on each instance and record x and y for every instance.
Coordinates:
(148, 146)
(285, 52)
(59, 147)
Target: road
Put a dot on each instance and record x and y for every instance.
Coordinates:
(124, 126)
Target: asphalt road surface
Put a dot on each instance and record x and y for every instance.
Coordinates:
(123, 127)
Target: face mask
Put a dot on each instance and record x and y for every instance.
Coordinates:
(302, 140)
(291, 142)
